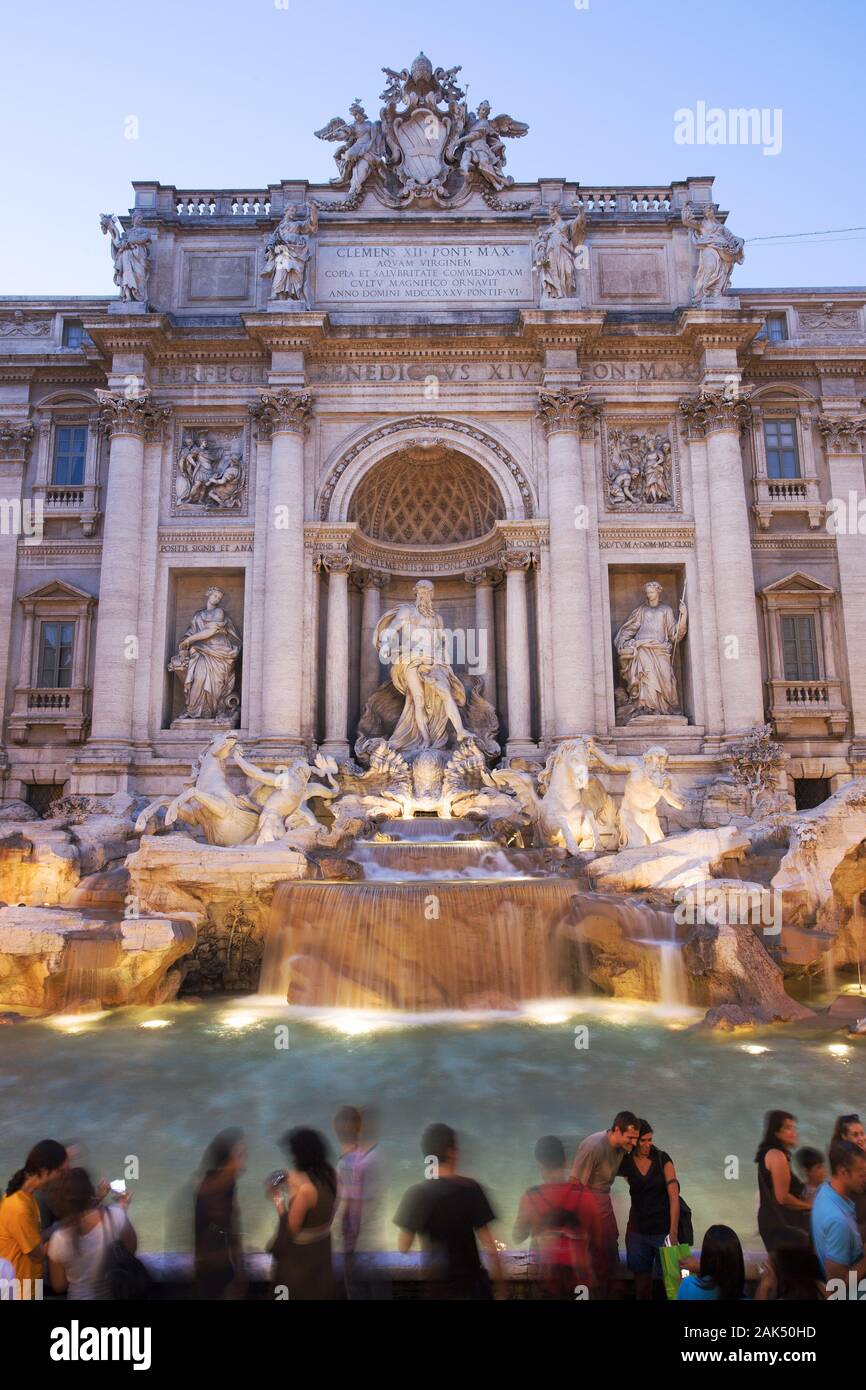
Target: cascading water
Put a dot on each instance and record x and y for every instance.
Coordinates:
(438, 923)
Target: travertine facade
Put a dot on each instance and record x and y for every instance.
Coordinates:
(540, 396)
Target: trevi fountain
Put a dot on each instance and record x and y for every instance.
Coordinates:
(427, 690)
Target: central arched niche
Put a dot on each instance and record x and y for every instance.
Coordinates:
(426, 495)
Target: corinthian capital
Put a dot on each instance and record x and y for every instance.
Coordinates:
(276, 411)
(132, 413)
(516, 560)
(842, 434)
(15, 440)
(566, 409)
(709, 411)
(336, 561)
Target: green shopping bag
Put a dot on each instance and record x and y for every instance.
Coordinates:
(670, 1256)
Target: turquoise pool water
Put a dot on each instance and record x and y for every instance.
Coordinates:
(122, 1087)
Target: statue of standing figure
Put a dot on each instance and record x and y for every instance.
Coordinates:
(287, 252)
(206, 658)
(646, 644)
(411, 639)
(554, 253)
(719, 251)
(130, 252)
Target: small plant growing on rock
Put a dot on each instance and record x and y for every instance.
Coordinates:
(755, 764)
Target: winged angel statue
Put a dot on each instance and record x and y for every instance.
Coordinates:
(426, 145)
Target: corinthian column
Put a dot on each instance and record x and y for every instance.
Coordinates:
(485, 628)
(284, 415)
(515, 563)
(566, 414)
(843, 441)
(371, 584)
(337, 563)
(130, 421)
(718, 418)
(15, 440)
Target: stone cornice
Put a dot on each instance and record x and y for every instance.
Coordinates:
(793, 540)
(637, 537)
(568, 408)
(137, 415)
(278, 412)
(842, 434)
(712, 410)
(379, 558)
(16, 436)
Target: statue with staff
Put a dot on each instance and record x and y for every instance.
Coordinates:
(646, 647)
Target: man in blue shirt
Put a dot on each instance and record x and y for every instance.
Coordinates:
(834, 1224)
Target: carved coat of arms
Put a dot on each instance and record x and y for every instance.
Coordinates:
(426, 146)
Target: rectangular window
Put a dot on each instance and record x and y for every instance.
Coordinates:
(73, 334)
(55, 655)
(799, 649)
(780, 440)
(70, 449)
(776, 328)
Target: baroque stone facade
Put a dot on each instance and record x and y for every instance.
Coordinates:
(543, 397)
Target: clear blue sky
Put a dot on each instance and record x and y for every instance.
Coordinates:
(230, 93)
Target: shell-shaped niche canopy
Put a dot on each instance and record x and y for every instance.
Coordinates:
(427, 495)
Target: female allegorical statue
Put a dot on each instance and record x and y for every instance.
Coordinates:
(206, 658)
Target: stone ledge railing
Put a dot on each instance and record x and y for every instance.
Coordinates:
(249, 203)
(391, 1266)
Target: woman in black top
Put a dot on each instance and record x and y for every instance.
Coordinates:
(219, 1271)
(655, 1207)
(783, 1215)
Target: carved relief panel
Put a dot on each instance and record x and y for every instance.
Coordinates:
(210, 468)
(640, 466)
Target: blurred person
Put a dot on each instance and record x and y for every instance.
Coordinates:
(306, 1200)
(654, 1215)
(219, 1260)
(813, 1166)
(792, 1275)
(783, 1212)
(721, 1271)
(561, 1218)
(849, 1129)
(452, 1215)
(79, 1248)
(21, 1241)
(837, 1239)
(596, 1164)
(361, 1186)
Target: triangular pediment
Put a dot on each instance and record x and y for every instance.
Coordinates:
(797, 583)
(57, 588)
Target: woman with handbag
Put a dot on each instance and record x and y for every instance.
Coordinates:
(80, 1251)
(658, 1212)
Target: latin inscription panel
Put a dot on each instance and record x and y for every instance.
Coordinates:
(450, 272)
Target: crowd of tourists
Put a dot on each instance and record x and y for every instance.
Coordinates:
(58, 1227)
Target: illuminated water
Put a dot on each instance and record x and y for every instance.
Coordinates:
(162, 1093)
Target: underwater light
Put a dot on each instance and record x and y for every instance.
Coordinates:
(75, 1023)
(242, 1018)
(156, 1023)
(754, 1049)
(547, 1013)
(838, 1049)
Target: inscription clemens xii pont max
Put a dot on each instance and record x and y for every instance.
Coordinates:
(450, 271)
